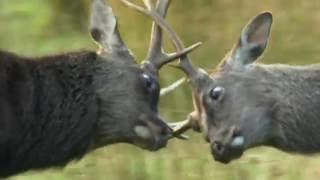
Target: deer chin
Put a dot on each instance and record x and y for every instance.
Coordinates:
(227, 158)
(145, 139)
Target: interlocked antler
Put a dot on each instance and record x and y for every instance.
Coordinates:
(158, 57)
(166, 90)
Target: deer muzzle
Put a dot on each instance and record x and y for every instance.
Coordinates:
(152, 134)
(227, 145)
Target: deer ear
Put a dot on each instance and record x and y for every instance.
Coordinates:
(104, 30)
(253, 41)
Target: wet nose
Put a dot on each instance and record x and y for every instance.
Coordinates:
(162, 130)
(165, 132)
(217, 147)
(228, 147)
(161, 137)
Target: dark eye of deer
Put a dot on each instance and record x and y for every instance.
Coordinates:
(148, 81)
(216, 92)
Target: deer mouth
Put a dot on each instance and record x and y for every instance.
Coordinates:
(228, 152)
(152, 144)
(158, 145)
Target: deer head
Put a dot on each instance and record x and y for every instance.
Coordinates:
(233, 105)
(129, 96)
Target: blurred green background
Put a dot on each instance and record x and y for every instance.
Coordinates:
(40, 27)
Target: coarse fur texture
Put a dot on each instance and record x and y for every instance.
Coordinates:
(295, 91)
(49, 110)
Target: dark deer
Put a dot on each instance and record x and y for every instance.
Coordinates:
(243, 104)
(57, 108)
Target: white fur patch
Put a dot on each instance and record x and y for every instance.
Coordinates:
(143, 132)
(238, 141)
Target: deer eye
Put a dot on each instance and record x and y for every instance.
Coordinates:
(216, 93)
(148, 81)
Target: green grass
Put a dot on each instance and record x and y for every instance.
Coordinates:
(27, 27)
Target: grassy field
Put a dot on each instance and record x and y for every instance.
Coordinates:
(31, 28)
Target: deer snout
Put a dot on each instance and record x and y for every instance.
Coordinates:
(153, 135)
(227, 145)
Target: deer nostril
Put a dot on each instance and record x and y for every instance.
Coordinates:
(217, 146)
(165, 131)
(235, 134)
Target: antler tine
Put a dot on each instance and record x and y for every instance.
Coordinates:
(182, 126)
(185, 62)
(156, 54)
(166, 90)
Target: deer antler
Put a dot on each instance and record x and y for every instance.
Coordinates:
(157, 56)
(166, 90)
